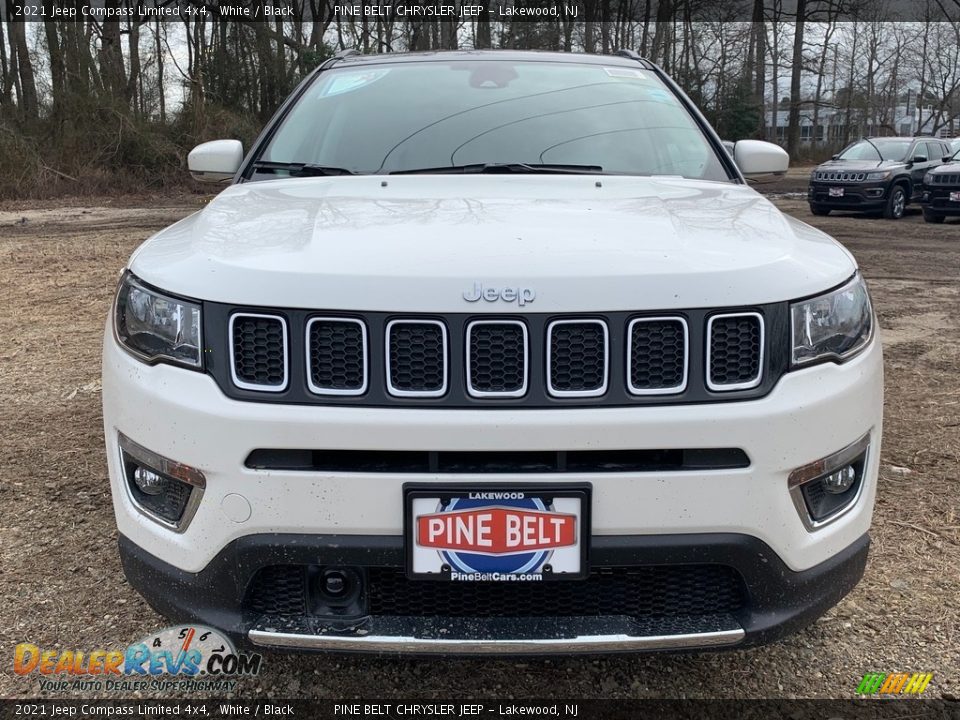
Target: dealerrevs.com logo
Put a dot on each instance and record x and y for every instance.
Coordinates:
(165, 660)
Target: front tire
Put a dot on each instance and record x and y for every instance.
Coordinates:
(933, 218)
(896, 203)
(819, 210)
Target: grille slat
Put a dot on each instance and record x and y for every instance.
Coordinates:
(258, 351)
(577, 357)
(416, 358)
(497, 358)
(336, 356)
(657, 361)
(735, 351)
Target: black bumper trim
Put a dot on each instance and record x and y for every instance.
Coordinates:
(780, 600)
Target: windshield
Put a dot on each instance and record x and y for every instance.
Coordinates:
(409, 116)
(877, 150)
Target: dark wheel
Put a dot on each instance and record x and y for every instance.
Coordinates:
(896, 203)
(819, 210)
(932, 218)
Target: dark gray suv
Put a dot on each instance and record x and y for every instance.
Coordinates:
(875, 175)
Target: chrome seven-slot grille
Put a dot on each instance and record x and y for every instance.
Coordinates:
(944, 179)
(496, 359)
(838, 176)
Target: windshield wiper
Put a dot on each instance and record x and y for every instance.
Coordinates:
(504, 168)
(299, 169)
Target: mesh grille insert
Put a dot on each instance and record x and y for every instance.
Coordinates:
(337, 356)
(736, 348)
(417, 357)
(259, 352)
(497, 356)
(638, 592)
(657, 354)
(578, 357)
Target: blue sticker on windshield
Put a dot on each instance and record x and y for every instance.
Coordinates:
(342, 82)
(658, 95)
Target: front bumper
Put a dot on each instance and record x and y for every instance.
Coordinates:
(743, 519)
(937, 202)
(776, 600)
(859, 196)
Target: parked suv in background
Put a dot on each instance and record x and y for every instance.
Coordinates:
(492, 352)
(875, 174)
(941, 190)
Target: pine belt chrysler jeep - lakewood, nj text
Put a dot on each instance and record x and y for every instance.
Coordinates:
(492, 352)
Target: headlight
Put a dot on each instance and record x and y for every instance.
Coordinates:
(835, 326)
(928, 179)
(156, 327)
(878, 175)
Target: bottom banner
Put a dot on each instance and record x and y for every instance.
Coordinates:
(449, 709)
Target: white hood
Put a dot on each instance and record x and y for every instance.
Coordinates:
(417, 243)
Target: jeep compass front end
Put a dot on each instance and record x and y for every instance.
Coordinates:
(492, 353)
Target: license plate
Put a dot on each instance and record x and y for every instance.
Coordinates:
(500, 534)
(836, 192)
(955, 197)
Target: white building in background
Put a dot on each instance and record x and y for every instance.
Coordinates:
(908, 120)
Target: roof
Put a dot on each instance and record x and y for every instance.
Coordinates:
(502, 55)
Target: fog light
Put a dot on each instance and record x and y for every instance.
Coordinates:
(827, 488)
(149, 482)
(839, 481)
(162, 489)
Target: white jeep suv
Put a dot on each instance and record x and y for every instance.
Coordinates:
(492, 352)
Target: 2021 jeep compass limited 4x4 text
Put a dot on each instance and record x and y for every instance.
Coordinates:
(492, 352)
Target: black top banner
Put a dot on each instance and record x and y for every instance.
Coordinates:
(464, 11)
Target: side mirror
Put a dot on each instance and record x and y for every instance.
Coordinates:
(834, 157)
(919, 158)
(756, 158)
(215, 161)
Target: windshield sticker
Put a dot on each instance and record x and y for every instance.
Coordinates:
(349, 81)
(622, 72)
(661, 96)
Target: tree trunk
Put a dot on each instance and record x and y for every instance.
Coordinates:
(57, 70)
(775, 81)
(6, 78)
(111, 56)
(133, 48)
(793, 124)
(27, 86)
(482, 40)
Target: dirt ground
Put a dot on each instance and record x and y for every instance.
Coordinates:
(60, 576)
